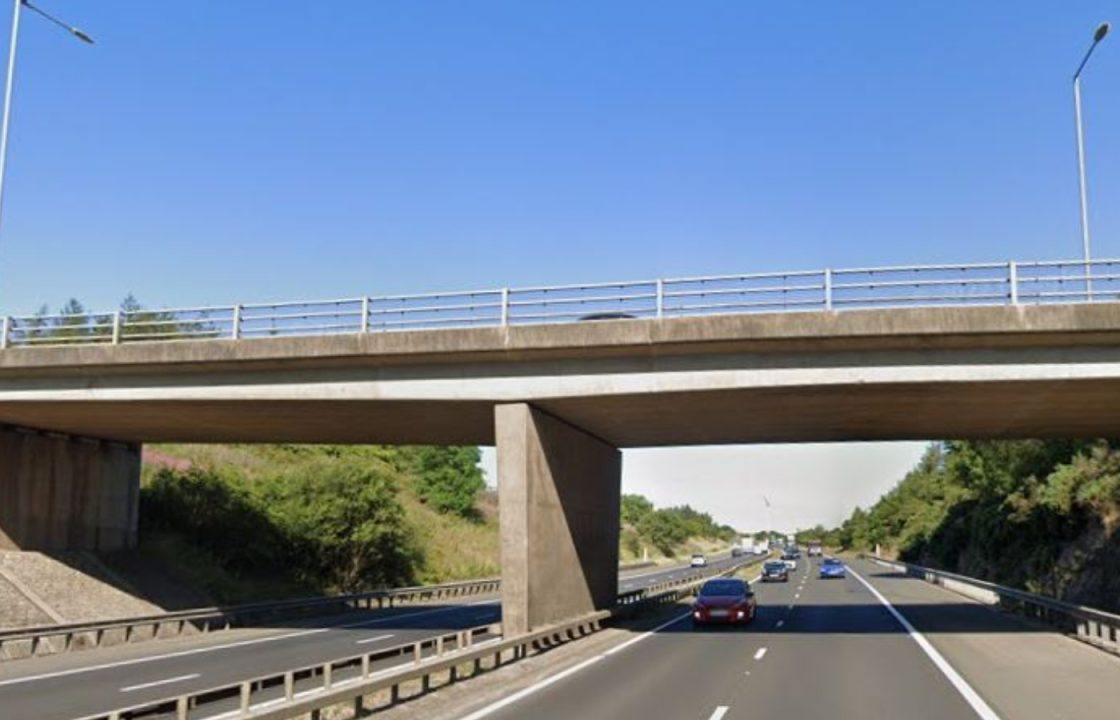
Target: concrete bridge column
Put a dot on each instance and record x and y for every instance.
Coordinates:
(59, 492)
(558, 495)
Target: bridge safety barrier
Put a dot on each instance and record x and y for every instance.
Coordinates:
(828, 289)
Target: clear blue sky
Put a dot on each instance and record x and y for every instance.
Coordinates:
(209, 152)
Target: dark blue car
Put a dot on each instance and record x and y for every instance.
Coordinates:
(832, 568)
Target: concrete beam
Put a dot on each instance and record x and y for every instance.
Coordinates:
(60, 492)
(559, 494)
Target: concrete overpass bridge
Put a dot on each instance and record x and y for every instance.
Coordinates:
(557, 399)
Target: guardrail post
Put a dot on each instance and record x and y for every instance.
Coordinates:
(365, 314)
(235, 331)
(181, 707)
(1013, 280)
(505, 307)
(5, 331)
(246, 693)
(828, 289)
(660, 298)
(117, 327)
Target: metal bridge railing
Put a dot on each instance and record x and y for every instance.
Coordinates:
(1010, 283)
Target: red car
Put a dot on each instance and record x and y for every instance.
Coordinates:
(726, 601)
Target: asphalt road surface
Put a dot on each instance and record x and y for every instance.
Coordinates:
(833, 649)
(72, 685)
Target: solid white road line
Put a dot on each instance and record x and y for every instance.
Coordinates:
(971, 696)
(374, 639)
(719, 712)
(760, 654)
(168, 681)
(552, 679)
(510, 699)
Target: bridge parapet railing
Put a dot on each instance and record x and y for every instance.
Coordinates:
(1095, 627)
(829, 289)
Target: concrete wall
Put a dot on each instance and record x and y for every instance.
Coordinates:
(559, 493)
(62, 492)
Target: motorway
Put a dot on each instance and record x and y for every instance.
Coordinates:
(83, 683)
(831, 649)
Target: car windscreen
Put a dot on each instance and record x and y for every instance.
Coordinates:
(831, 561)
(723, 587)
(775, 566)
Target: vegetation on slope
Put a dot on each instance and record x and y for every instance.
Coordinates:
(668, 531)
(1043, 515)
(266, 521)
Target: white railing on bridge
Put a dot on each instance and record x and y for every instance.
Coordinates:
(1009, 283)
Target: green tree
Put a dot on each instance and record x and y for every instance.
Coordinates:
(345, 523)
(449, 478)
(634, 508)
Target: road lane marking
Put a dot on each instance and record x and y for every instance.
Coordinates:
(760, 654)
(510, 699)
(971, 696)
(536, 687)
(168, 681)
(374, 639)
(719, 712)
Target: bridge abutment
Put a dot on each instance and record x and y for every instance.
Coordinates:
(60, 492)
(558, 493)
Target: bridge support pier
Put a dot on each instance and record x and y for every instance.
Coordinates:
(59, 492)
(558, 495)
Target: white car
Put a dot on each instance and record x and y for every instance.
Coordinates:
(698, 560)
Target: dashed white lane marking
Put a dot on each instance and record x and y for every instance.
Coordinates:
(374, 639)
(759, 655)
(719, 712)
(157, 683)
(971, 696)
(779, 623)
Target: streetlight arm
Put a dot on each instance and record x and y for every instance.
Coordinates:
(1085, 59)
(1098, 35)
(68, 28)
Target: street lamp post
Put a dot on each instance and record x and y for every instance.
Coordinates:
(1099, 35)
(18, 6)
